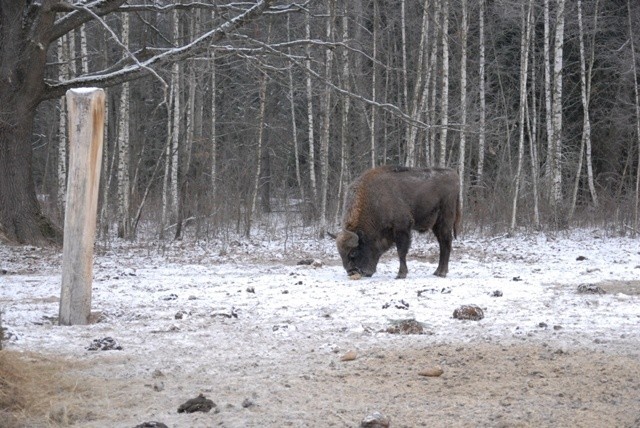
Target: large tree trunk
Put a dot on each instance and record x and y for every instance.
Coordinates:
(21, 87)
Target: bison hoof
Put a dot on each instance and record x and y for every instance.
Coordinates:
(440, 274)
(401, 276)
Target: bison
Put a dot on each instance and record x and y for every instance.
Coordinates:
(385, 204)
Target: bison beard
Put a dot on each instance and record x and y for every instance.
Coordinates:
(385, 204)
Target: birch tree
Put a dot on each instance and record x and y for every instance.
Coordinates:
(636, 205)
(420, 89)
(344, 117)
(310, 125)
(63, 58)
(326, 121)
(170, 183)
(444, 106)
(524, 62)
(213, 124)
(481, 94)
(123, 148)
(557, 105)
(549, 166)
(585, 141)
(433, 65)
(463, 99)
(374, 83)
(261, 123)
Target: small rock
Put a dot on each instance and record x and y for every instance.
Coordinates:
(248, 402)
(406, 327)
(431, 372)
(517, 278)
(198, 404)
(469, 312)
(104, 344)
(158, 386)
(375, 420)
(581, 258)
(349, 356)
(396, 304)
(496, 293)
(355, 276)
(251, 290)
(151, 424)
(171, 296)
(305, 262)
(542, 325)
(590, 289)
(317, 263)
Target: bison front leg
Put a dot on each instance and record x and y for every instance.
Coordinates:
(444, 240)
(403, 242)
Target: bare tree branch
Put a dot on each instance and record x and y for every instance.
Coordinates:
(142, 69)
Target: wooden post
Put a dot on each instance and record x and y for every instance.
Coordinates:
(86, 123)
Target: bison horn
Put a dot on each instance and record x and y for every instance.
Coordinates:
(347, 239)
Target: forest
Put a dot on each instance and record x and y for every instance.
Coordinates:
(534, 102)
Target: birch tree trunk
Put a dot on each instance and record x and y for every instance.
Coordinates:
(403, 33)
(170, 184)
(326, 121)
(84, 53)
(524, 62)
(256, 182)
(557, 105)
(444, 120)
(344, 121)
(431, 143)
(532, 127)
(312, 156)
(374, 83)
(482, 94)
(585, 142)
(547, 99)
(214, 133)
(294, 126)
(636, 206)
(123, 148)
(420, 89)
(63, 58)
(463, 100)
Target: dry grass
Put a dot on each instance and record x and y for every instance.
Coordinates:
(39, 391)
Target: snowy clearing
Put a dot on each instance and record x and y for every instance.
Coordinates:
(263, 337)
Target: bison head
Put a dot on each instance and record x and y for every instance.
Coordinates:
(358, 255)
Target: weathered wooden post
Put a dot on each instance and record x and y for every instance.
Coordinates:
(86, 123)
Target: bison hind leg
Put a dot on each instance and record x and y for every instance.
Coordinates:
(444, 235)
(403, 242)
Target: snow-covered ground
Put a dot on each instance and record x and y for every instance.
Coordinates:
(177, 307)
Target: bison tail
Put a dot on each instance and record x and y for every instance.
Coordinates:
(458, 219)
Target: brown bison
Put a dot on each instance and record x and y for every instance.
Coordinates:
(384, 204)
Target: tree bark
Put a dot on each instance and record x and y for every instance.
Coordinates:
(312, 146)
(463, 101)
(524, 62)
(124, 220)
(557, 106)
(482, 94)
(444, 98)
(326, 122)
(636, 205)
(21, 88)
